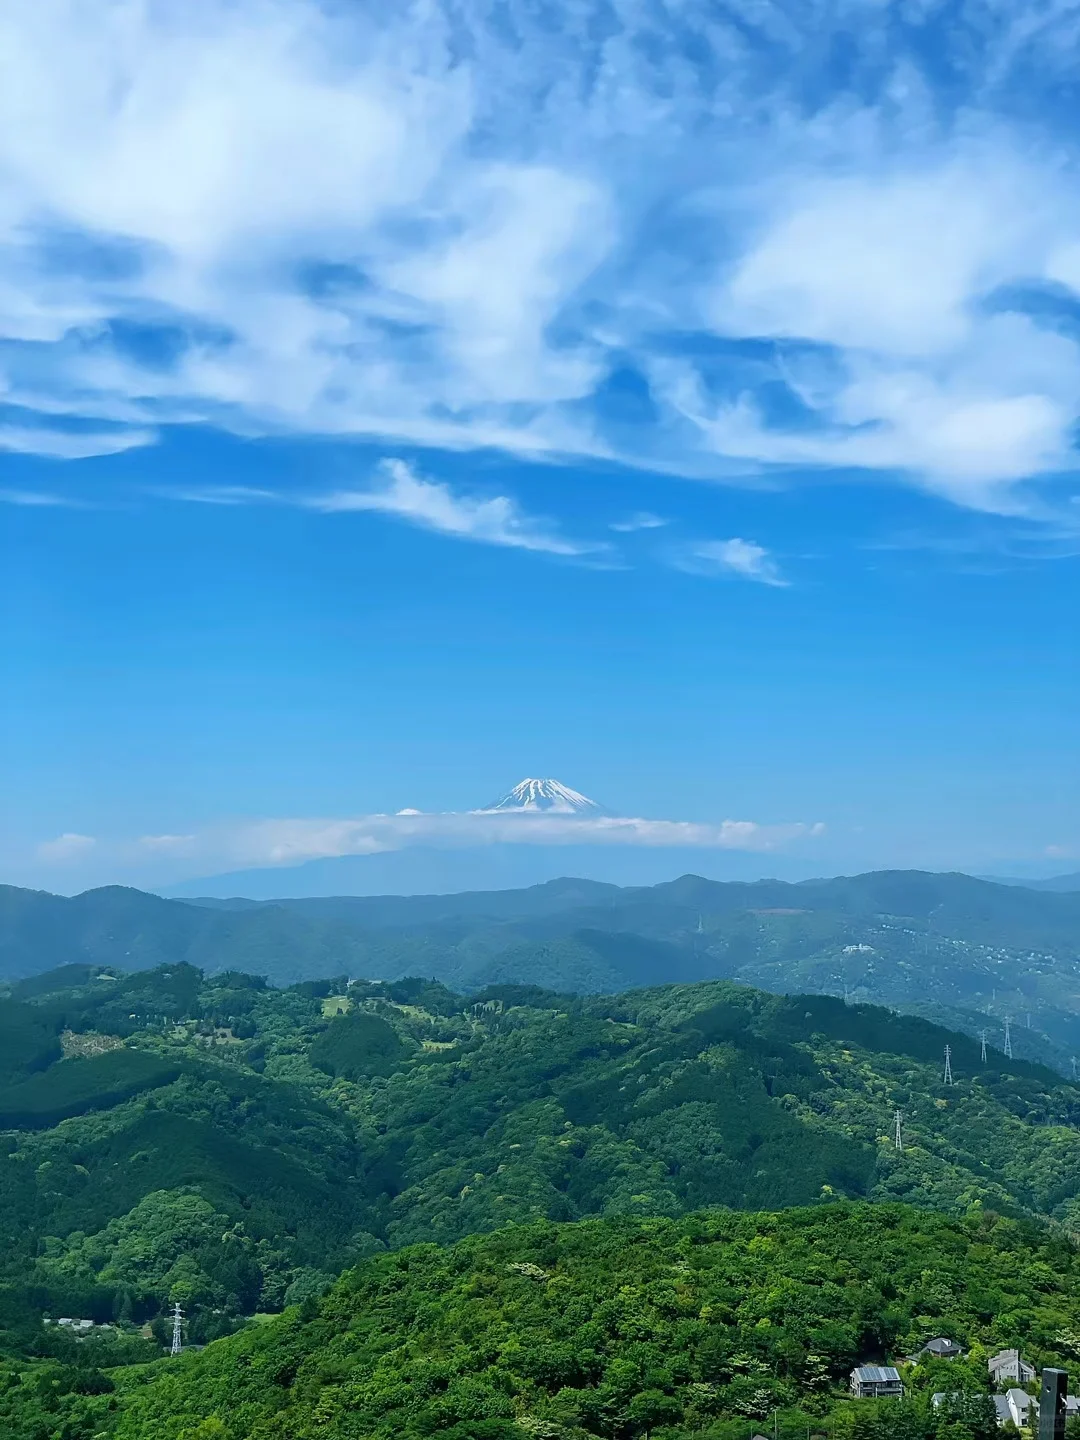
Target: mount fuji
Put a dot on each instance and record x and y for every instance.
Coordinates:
(548, 797)
(438, 854)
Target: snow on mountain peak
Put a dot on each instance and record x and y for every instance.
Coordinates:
(545, 796)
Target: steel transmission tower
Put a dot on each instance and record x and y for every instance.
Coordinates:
(982, 1037)
(1073, 1060)
(177, 1340)
(1008, 1039)
(948, 1065)
(899, 1140)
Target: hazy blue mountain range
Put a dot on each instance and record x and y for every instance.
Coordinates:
(1063, 884)
(966, 952)
(433, 869)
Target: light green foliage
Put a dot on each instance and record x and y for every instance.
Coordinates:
(244, 1176)
(697, 1326)
(254, 1170)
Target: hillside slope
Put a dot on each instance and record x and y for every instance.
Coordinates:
(628, 1328)
(212, 1139)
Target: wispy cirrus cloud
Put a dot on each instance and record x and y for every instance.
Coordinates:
(36, 499)
(71, 444)
(399, 491)
(461, 225)
(432, 505)
(640, 520)
(743, 558)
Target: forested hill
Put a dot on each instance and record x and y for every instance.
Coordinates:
(963, 951)
(211, 1139)
(711, 1326)
(169, 1136)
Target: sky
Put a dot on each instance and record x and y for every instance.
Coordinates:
(675, 399)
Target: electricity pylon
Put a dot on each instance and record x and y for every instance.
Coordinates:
(177, 1341)
(899, 1140)
(948, 1065)
(982, 1037)
(1008, 1039)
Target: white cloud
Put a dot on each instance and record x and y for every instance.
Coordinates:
(69, 846)
(496, 520)
(282, 841)
(448, 224)
(169, 844)
(225, 495)
(885, 263)
(291, 841)
(71, 444)
(640, 520)
(36, 499)
(744, 558)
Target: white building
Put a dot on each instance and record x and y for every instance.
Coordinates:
(1015, 1405)
(1021, 1407)
(1009, 1365)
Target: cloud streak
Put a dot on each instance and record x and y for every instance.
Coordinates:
(742, 558)
(292, 841)
(67, 847)
(496, 520)
(463, 226)
(403, 494)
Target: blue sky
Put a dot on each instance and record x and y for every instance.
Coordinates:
(401, 400)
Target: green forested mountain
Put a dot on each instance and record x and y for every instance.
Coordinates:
(169, 1136)
(712, 1325)
(132, 930)
(961, 951)
(212, 1139)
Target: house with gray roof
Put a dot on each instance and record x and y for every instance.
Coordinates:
(1015, 1405)
(1010, 1365)
(942, 1348)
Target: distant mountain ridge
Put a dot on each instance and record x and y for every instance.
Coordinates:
(1061, 884)
(961, 951)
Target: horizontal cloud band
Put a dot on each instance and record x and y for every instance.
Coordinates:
(289, 841)
(293, 841)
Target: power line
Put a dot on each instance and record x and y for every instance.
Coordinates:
(177, 1341)
(948, 1065)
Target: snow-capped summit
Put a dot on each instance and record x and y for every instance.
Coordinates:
(546, 796)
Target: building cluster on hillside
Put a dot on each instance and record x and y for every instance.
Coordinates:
(77, 1327)
(1015, 1406)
